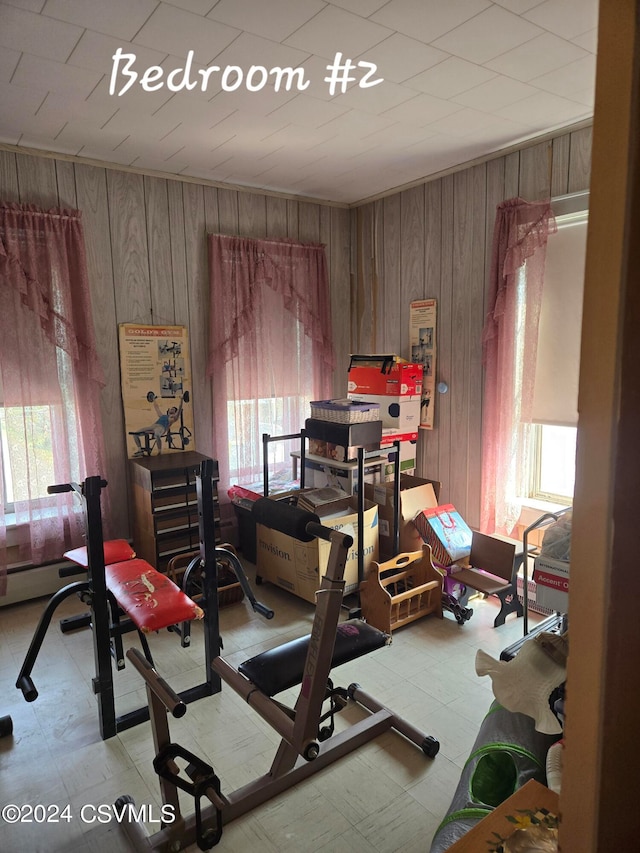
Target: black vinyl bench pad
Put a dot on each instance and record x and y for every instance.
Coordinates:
(278, 669)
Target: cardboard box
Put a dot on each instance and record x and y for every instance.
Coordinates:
(552, 583)
(401, 413)
(297, 566)
(401, 379)
(407, 462)
(319, 476)
(340, 442)
(416, 494)
(389, 435)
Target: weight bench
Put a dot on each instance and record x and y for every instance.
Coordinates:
(306, 746)
(149, 599)
(493, 570)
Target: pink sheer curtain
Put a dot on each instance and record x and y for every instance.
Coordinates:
(50, 381)
(510, 342)
(270, 346)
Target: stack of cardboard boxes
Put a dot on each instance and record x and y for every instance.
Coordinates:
(383, 406)
(396, 387)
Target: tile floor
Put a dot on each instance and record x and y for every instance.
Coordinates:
(385, 797)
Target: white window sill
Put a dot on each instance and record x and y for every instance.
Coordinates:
(532, 509)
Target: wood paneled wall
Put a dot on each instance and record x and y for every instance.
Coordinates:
(147, 258)
(434, 241)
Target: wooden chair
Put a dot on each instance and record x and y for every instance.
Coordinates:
(401, 590)
(493, 570)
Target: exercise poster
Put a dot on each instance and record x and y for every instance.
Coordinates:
(422, 334)
(155, 373)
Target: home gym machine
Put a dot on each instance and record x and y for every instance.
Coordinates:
(148, 600)
(307, 744)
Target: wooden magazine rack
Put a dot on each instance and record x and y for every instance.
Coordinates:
(401, 590)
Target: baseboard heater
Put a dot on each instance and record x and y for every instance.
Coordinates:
(26, 582)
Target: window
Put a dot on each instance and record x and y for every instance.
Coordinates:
(270, 350)
(50, 381)
(22, 480)
(553, 468)
(553, 434)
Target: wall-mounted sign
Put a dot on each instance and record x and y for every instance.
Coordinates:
(422, 335)
(155, 373)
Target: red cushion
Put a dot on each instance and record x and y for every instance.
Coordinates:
(150, 599)
(115, 551)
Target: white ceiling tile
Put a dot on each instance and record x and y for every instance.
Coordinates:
(400, 57)
(29, 5)
(105, 154)
(376, 100)
(565, 18)
(588, 40)
(248, 50)
(356, 124)
(543, 110)
(253, 103)
(69, 108)
(396, 138)
(87, 133)
(198, 7)
(183, 107)
(244, 124)
(143, 125)
(149, 163)
(422, 110)
(426, 20)
(8, 62)
(61, 78)
(44, 124)
(295, 137)
(495, 94)
(96, 51)
(119, 18)
(202, 139)
(17, 101)
(489, 34)
(315, 72)
(434, 110)
(538, 56)
(177, 32)
(450, 78)
(586, 97)
(466, 122)
(137, 146)
(305, 111)
(134, 98)
(360, 7)
(572, 78)
(22, 30)
(44, 143)
(274, 20)
(517, 6)
(334, 30)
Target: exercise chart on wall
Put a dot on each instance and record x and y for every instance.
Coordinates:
(422, 336)
(155, 373)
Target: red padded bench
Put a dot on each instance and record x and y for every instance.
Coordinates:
(150, 599)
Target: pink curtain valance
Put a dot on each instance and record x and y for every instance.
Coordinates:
(37, 246)
(296, 271)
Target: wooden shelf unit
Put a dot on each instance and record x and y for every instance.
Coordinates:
(165, 506)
